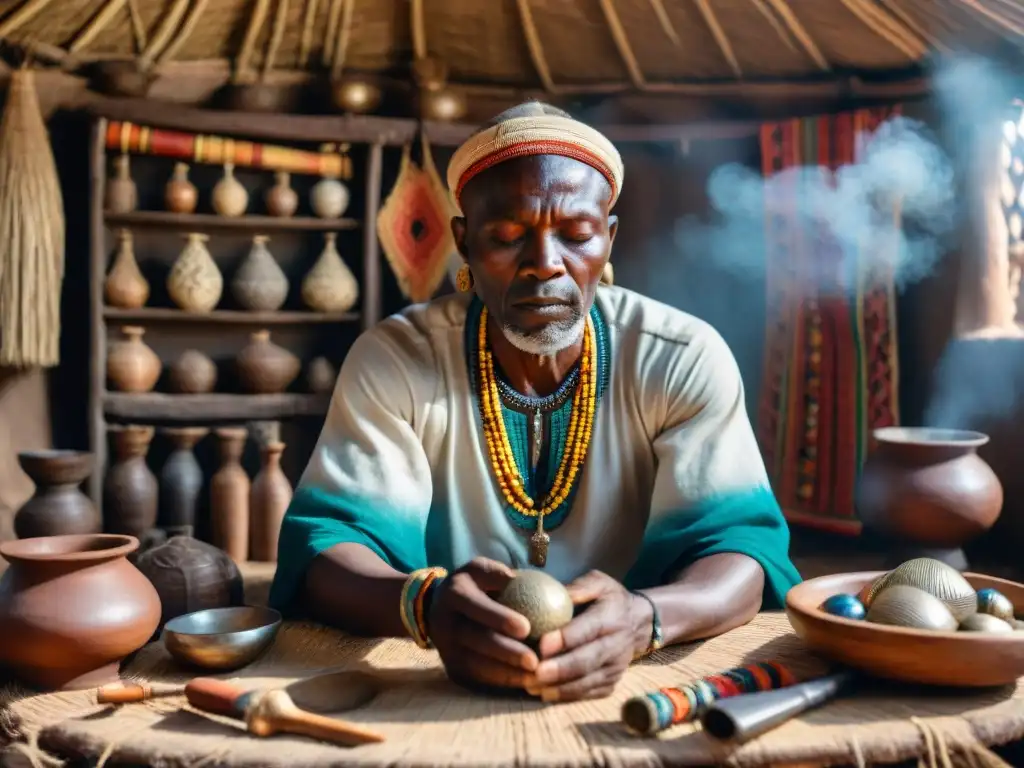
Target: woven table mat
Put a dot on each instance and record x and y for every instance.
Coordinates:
(431, 722)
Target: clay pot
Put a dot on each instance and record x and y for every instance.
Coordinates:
(193, 373)
(194, 283)
(120, 78)
(180, 195)
(321, 375)
(265, 368)
(121, 194)
(281, 199)
(259, 284)
(181, 480)
(271, 495)
(229, 196)
(329, 198)
(58, 507)
(330, 286)
(130, 488)
(191, 575)
(71, 608)
(131, 365)
(229, 496)
(125, 286)
(927, 489)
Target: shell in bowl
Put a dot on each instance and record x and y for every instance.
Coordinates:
(969, 659)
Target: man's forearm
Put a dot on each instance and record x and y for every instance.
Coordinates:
(348, 586)
(713, 595)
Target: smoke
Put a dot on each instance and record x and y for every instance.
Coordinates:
(893, 212)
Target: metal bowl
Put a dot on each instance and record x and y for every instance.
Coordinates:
(221, 638)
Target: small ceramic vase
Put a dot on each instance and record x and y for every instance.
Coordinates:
(193, 373)
(259, 284)
(281, 199)
(229, 196)
(271, 494)
(130, 488)
(181, 480)
(320, 376)
(131, 365)
(229, 496)
(121, 194)
(125, 286)
(329, 198)
(58, 507)
(194, 283)
(264, 368)
(330, 286)
(180, 195)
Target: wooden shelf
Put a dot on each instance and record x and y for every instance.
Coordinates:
(158, 406)
(205, 221)
(232, 316)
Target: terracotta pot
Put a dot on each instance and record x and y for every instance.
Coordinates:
(58, 507)
(193, 373)
(330, 286)
(928, 489)
(194, 282)
(259, 284)
(229, 196)
(281, 199)
(130, 488)
(71, 608)
(180, 195)
(191, 575)
(131, 365)
(264, 368)
(321, 375)
(121, 194)
(125, 286)
(229, 496)
(271, 495)
(181, 479)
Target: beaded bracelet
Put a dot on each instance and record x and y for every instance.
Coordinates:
(413, 603)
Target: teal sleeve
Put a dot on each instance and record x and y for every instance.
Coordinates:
(317, 520)
(748, 523)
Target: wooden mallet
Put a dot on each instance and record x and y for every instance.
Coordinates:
(273, 711)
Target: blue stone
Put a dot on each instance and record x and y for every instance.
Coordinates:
(846, 606)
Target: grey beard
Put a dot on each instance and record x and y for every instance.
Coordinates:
(553, 338)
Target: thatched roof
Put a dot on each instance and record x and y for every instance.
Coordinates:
(688, 47)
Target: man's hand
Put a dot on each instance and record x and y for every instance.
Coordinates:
(480, 641)
(587, 657)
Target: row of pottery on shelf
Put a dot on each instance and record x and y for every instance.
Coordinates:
(263, 367)
(73, 606)
(245, 517)
(329, 197)
(195, 283)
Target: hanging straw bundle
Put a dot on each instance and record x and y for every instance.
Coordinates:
(31, 232)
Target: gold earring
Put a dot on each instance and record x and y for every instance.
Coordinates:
(608, 274)
(464, 279)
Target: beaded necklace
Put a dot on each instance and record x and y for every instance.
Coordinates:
(572, 421)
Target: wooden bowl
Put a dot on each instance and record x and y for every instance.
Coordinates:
(969, 659)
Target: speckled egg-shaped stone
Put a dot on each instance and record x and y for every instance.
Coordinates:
(541, 598)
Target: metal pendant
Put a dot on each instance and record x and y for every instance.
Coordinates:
(539, 549)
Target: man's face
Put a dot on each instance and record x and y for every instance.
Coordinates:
(536, 235)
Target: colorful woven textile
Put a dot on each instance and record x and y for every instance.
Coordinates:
(830, 365)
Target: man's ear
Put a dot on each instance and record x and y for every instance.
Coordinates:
(613, 227)
(459, 233)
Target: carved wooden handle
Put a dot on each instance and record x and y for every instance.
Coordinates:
(216, 696)
(276, 713)
(130, 693)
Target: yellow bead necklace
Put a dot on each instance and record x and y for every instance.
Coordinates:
(581, 424)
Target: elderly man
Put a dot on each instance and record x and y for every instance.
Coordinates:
(536, 419)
